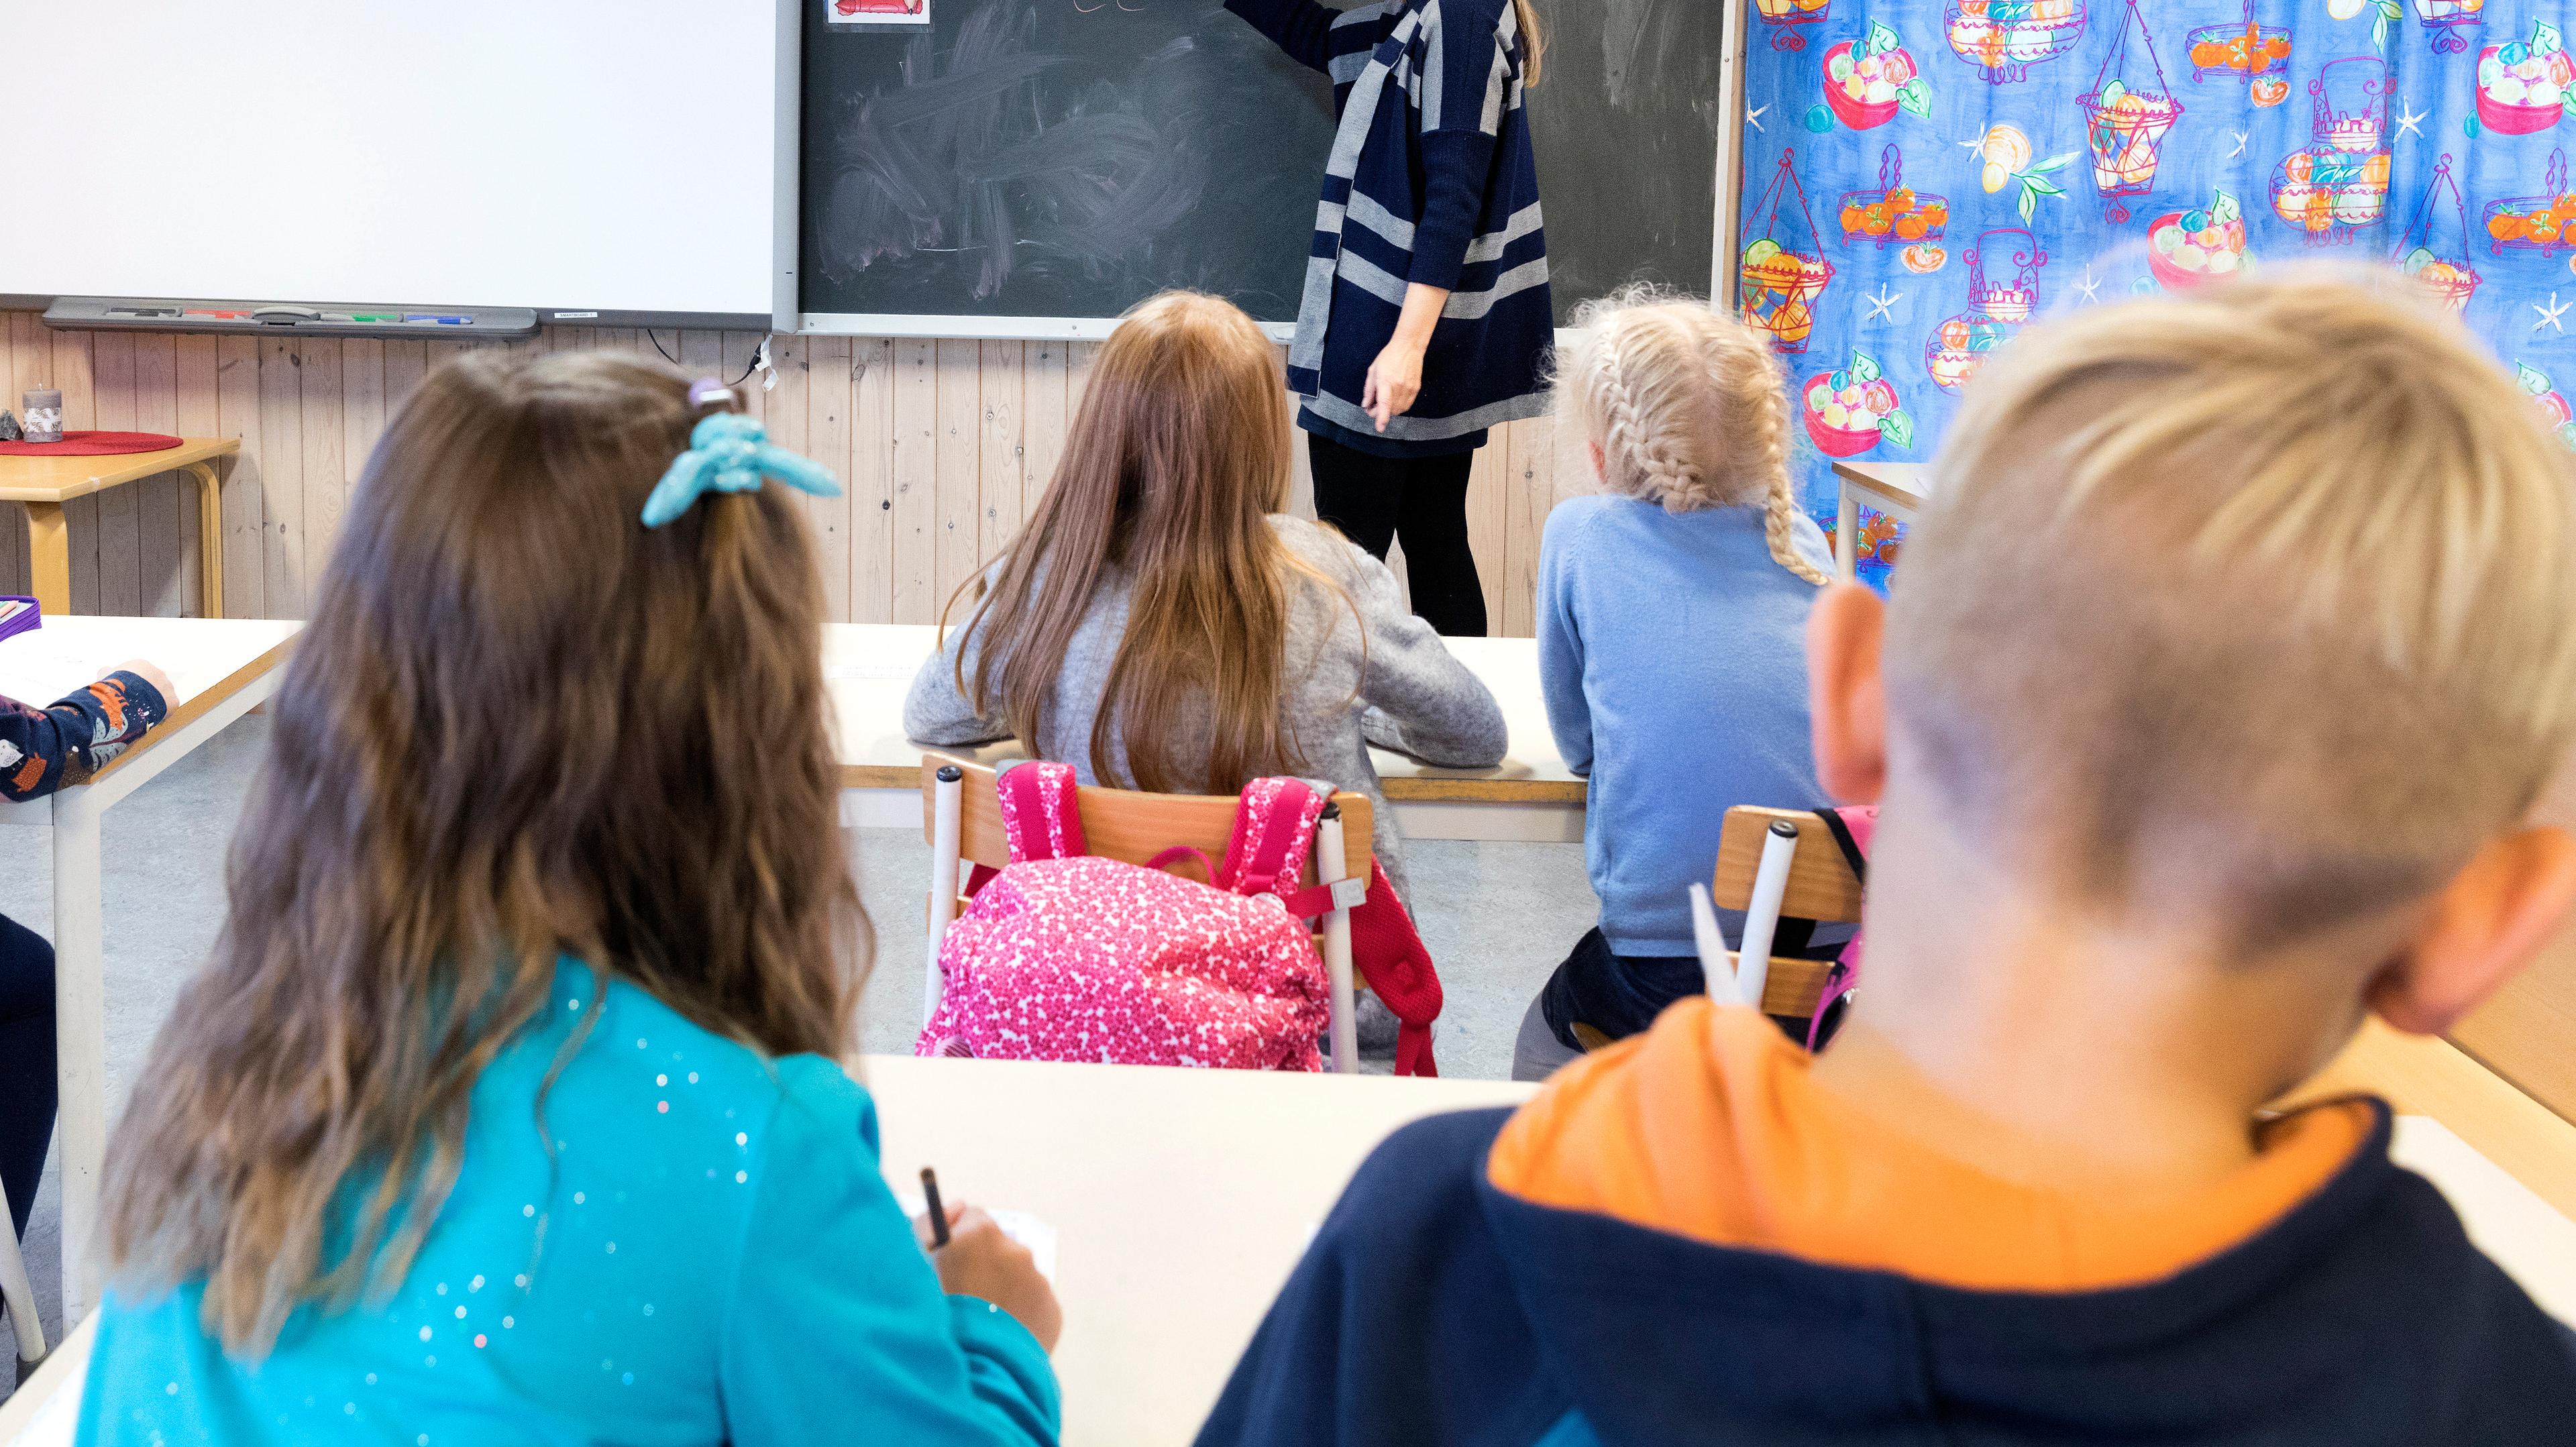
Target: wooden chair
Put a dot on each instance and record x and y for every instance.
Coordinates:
(1806, 878)
(19, 1296)
(961, 816)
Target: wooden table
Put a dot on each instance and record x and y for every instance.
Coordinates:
(221, 668)
(1531, 796)
(44, 484)
(1894, 488)
(1182, 1198)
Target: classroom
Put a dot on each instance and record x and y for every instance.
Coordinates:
(1556, 722)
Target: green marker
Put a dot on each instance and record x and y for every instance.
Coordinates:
(376, 317)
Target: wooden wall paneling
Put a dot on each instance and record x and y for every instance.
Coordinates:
(868, 364)
(1078, 360)
(958, 531)
(159, 514)
(817, 371)
(118, 546)
(72, 374)
(405, 364)
(197, 414)
(701, 353)
(1528, 498)
(1488, 531)
(319, 382)
(735, 352)
(237, 415)
(915, 467)
(365, 403)
(1045, 419)
(281, 425)
(1002, 376)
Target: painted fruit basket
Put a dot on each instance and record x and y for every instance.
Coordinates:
(2005, 38)
(1894, 213)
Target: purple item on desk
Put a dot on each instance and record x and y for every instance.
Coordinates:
(18, 615)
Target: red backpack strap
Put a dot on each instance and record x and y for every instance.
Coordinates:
(1274, 831)
(1390, 955)
(1041, 811)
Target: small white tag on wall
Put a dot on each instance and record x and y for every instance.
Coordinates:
(760, 364)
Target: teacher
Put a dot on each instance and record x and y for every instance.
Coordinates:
(1426, 317)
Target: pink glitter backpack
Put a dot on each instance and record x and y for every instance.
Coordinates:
(1063, 956)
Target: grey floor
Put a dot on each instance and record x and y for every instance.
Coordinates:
(1497, 918)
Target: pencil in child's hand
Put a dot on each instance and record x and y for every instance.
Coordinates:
(938, 1212)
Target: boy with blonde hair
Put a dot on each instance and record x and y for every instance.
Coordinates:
(2216, 689)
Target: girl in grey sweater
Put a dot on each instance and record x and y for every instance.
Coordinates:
(1160, 624)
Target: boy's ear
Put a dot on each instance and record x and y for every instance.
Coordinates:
(1846, 703)
(2480, 928)
(1600, 464)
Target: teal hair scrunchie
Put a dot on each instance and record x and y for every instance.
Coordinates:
(729, 452)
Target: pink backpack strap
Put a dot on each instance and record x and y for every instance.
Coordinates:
(1041, 811)
(1274, 831)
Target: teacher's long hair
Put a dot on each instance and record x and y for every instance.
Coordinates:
(1177, 456)
(521, 725)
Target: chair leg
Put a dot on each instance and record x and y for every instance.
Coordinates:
(948, 801)
(17, 1293)
(1762, 912)
(1329, 867)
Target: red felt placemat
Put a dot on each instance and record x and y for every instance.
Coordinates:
(91, 444)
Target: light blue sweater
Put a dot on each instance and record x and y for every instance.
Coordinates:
(1672, 654)
(713, 1259)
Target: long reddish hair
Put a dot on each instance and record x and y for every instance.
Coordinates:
(1177, 456)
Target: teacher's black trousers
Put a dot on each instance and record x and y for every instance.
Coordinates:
(1420, 502)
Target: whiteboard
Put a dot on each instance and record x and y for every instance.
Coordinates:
(539, 153)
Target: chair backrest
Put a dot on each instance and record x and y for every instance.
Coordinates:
(1821, 886)
(1122, 823)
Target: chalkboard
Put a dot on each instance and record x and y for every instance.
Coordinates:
(1032, 161)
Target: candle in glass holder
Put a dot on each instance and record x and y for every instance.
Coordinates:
(44, 419)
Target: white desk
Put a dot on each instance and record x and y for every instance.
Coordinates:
(1180, 1198)
(1530, 796)
(1894, 488)
(221, 667)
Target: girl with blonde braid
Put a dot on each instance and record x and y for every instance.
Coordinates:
(1672, 610)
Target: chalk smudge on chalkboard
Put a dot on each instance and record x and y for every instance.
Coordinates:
(1625, 25)
(966, 155)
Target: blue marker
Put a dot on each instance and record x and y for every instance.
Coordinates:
(444, 321)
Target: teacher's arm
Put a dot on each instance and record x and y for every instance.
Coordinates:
(1461, 119)
(1300, 27)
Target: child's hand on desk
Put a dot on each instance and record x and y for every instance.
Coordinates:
(981, 1262)
(150, 675)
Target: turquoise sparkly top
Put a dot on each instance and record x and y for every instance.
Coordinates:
(712, 1258)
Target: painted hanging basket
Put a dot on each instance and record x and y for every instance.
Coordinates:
(1777, 283)
(1894, 213)
(2544, 223)
(2005, 38)
(2448, 276)
(2124, 127)
(1786, 19)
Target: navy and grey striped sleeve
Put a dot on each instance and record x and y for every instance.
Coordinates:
(1469, 76)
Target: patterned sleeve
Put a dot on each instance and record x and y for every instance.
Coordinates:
(42, 750)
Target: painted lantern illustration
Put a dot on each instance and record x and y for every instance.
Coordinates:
(1996, 308)
(2339, 182)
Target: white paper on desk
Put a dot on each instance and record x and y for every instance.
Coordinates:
(1020, 1226)
(54, 1422)
(2509, 1221)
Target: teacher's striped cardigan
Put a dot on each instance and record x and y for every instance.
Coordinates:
(1431, 179)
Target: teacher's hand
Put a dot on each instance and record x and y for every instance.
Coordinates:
(1394, 380)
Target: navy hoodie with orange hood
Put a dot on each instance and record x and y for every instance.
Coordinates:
(1683, 1239)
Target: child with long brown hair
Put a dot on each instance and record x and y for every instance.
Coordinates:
(509, 1104)
(1163, 623)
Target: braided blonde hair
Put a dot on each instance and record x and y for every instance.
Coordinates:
(1688, 407)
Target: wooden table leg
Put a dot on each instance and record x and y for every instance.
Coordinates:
(210, 537)
(1846, 523)
(49, 556)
